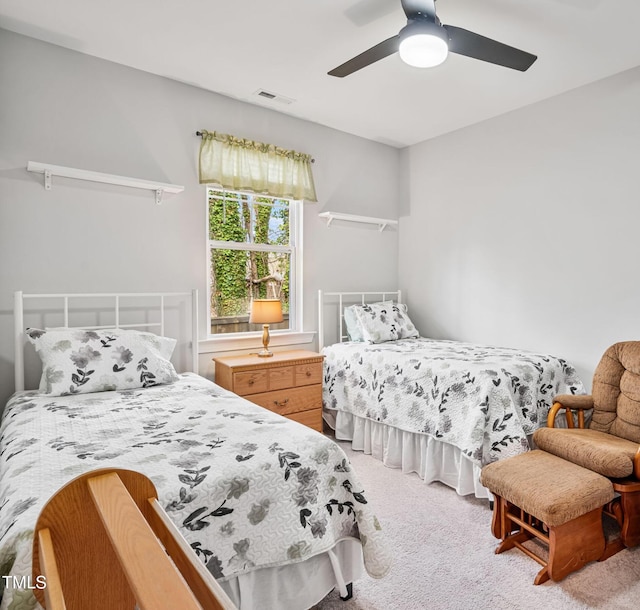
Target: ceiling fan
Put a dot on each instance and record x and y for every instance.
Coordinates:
(424, 42)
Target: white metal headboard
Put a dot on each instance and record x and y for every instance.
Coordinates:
(19, 330)
(350, 298)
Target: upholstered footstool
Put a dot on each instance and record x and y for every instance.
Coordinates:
(540, 495)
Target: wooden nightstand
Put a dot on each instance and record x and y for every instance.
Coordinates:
(288, 383)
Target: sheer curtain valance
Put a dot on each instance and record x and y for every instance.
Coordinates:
(245, 165)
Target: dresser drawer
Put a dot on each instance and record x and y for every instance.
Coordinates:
(312, 418)
(308, 374)
(291, 400)
(250, 382)
(281, 377)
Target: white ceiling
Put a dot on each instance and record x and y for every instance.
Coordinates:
(288, 46)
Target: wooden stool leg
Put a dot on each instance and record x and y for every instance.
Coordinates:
(502, 525)
(496, 521)
(575, 543)
(542, 576)
(507, 526)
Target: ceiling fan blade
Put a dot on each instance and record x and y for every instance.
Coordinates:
(464, 42)
(370, 56)
(417, 8)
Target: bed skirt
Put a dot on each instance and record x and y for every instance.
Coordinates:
(298, 586)
(433, 460)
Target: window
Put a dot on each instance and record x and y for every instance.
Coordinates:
(253, 243)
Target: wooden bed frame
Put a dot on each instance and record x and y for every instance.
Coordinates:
(109, 301)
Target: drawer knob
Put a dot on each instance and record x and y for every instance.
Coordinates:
(250, 381)
(308, 373)
(281, 403)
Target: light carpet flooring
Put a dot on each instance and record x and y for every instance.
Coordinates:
(444, 556)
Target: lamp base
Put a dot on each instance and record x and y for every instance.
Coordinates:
(265, 352)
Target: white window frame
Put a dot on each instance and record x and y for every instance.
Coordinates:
(290, 336)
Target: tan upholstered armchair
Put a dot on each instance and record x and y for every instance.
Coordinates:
(610, 445)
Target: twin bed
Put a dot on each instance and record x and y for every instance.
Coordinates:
(271, 507)
(442, 409)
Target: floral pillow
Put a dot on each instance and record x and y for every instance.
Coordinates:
(76, 361)
(382, 322)
(352, 323)
(406, 328)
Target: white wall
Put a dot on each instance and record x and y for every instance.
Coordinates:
(519, 231)
(523, 230)
(62, 107)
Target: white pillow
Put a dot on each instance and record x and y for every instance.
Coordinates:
(76, 361)
(382, 322)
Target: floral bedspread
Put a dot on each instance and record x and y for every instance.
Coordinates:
(246, 487)
(483, 400)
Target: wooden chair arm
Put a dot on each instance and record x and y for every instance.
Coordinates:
(636, 464)
(569, 402)
(575, 401)
(551, 417)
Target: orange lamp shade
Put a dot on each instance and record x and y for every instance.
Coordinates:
(265, 311)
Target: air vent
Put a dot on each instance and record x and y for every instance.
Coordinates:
(272, 97)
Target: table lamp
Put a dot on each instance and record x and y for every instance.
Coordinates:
(265, 312)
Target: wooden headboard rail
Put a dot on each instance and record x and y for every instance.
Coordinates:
(345, 299)
(64, 308)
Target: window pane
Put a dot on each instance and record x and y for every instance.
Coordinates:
(237, 276)
(247, 218)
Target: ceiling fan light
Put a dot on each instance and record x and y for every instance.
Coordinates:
(423, 51)
(423, 44)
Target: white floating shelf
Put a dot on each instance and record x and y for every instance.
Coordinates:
(83, 174)
(381, 222)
